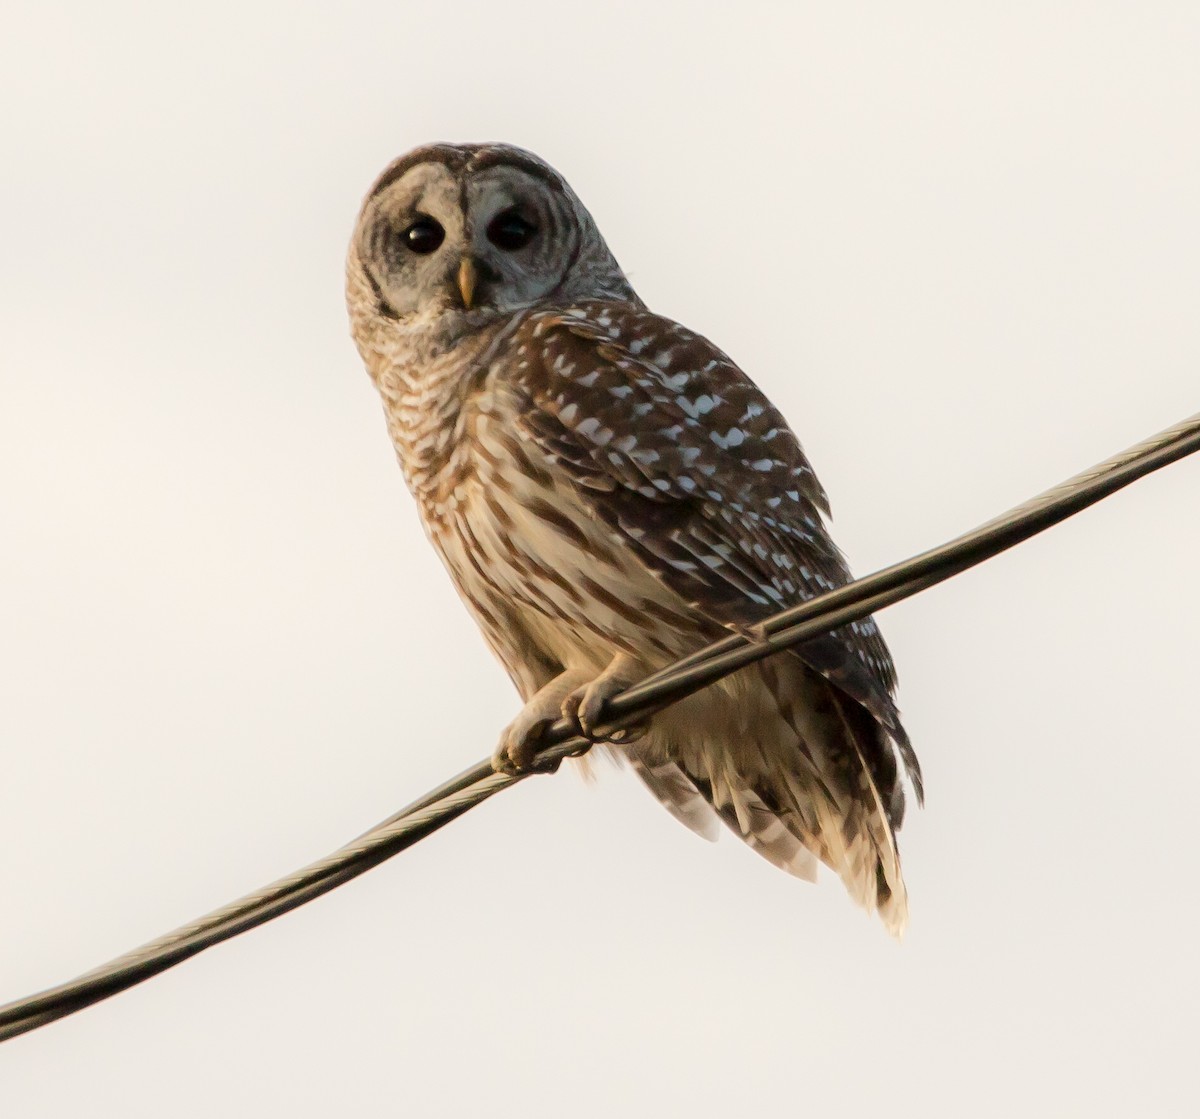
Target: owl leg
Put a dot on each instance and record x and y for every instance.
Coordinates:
(585, 704)
(520, 739)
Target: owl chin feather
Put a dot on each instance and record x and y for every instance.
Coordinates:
(455, 323)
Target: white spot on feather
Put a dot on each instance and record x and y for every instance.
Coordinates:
(734, 437)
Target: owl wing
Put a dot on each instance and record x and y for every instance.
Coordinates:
(679, 453)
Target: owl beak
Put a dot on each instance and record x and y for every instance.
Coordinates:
(468, 278)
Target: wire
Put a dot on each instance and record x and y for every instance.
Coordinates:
(475, 785)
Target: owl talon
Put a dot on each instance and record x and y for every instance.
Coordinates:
(585, 705)
(520, 757)
(518, 746)
(522, 738)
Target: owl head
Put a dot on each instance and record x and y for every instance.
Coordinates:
(462, 234)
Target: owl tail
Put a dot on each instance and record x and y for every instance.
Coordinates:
(681, 794)
(829, 808)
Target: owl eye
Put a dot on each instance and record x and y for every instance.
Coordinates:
(424, 235)
(509, 231)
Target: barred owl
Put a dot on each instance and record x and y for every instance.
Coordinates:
(609, 492)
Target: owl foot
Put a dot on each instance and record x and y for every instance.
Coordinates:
(585, 705)
(520, 740)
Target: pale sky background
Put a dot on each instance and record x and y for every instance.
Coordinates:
(958, 244)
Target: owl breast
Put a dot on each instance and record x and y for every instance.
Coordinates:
(551, 586)
(517, 537)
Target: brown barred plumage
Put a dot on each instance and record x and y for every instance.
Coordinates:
(609, 491)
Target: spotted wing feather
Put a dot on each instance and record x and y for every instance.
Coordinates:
(683, 456)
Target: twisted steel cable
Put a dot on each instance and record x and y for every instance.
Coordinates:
(473, 786)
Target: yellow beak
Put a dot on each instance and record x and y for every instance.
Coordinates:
(468, 277)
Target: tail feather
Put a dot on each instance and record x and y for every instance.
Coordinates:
(695, 802)
(817, 780)
(765, 831)
(678, 795)
(891, 895)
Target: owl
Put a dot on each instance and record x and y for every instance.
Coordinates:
(609, 492)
